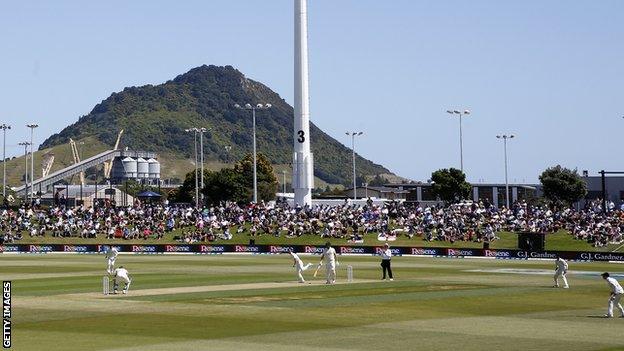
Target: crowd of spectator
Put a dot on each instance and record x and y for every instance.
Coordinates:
(470, 221)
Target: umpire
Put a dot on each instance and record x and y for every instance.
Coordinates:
(386, 256)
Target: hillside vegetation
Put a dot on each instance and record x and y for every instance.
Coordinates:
(154, 118)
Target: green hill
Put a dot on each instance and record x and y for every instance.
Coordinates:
(154, 119)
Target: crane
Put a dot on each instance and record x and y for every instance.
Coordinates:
(108, 165)
(76, 156)
(46, 163)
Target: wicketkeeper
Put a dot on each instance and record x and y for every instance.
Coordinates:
(121, 275)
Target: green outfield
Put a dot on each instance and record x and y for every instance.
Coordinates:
(227, 302)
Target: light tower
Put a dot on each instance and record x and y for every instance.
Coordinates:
(303, 163)
(4, 128)
(194, 131)
(505, 137)
(461, 141)
(32, 127)
(255, 160)
(25, 144)
(353, 135)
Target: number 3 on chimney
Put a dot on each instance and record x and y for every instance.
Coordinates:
(301, 137)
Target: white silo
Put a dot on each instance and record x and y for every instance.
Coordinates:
(154, 168)
(142, 168)
(130, 168)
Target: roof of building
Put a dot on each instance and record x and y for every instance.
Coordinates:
(382, 189)
(409, 185)
(73, 191)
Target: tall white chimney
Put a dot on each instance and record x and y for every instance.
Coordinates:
(303, 163)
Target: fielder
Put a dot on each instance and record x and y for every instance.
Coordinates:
(298, 264)
(329, 255)
(561, 269)
(121, 275)
(111, 255)
(616, 294)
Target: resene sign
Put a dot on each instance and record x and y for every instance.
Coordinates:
(312, 249)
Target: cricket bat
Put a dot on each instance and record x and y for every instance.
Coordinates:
(317, 269)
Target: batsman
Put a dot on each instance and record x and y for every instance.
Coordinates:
(329, 255)
(110, 253)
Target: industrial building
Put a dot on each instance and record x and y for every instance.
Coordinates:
(378, 192)
(493, 194)
(614, 189)
(118, 166)
(140, 166)
(74, 195)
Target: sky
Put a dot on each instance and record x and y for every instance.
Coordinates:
(549, 72)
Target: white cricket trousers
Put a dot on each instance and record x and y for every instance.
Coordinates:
(615, 300)
(300, 269)
(111, 265)
(125, 280)
(331, 273)
(558, 274)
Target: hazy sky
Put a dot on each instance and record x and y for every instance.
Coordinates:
(551, 72)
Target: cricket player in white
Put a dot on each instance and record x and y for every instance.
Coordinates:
(298, 264)
(329, 255)
(121, 275)
(616, 294)
(561, 269)
(111, 255)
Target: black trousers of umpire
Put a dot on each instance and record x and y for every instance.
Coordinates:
(385, 266)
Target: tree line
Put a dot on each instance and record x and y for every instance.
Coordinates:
(561, 186)
(231, 183)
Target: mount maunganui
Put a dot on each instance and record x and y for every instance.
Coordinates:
(154, 119)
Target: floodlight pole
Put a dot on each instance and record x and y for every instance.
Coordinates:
(196, 175)
(4, 128)
(32, 127)
(201, 143)
(353, 135)
(604, 192)
(255, 161)
(505, 137)
(461, 138)
(194, 131)
(25, 144)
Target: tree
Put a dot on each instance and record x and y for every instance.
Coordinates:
(233, 184)
(562, 186)
(450, 185)
(267, 182)
(225, 185)
(186, 192)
